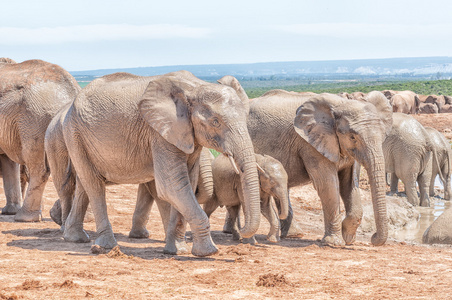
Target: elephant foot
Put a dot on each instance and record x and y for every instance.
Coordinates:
(273, 238)
(75, 235)
(290, 229)
(332, 240)
(10, 209)
(204, 247)
(349, 227)
(139, 233)
(106, 240)
(28, 216)
(425, 203)
(55, 213)
(251, 241)
(176, 247)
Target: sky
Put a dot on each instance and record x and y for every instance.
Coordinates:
(104, 34)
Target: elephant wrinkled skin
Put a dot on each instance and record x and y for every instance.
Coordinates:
(31, 93)
(317, 139)
(123, 128)
(408, 154)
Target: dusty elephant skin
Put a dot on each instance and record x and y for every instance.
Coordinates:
(31, 93)
(405, 102)
(124, 128)
(318, 138)
(408, 154)
(440, 232)
(227, 186)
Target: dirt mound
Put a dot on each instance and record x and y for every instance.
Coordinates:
(272, 280)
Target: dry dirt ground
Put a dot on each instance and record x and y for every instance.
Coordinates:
(35, 262)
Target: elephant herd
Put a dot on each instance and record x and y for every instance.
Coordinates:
(156, 131)
(409, 102)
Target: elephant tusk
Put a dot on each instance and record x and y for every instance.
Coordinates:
(260, 168)
(234, 165)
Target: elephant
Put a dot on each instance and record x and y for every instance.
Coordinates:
(428, 108)
(442, 165)
(226, 183)
(123, 128)
(405, 102)
(440, 232)
(447, 108)
(407, 153)
(31, 93)
(317, 139)
(23, 177)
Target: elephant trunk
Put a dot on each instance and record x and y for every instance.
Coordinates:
(375, 167)
(205, 189)
(249, 179)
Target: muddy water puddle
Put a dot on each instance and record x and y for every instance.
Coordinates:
(427, 215)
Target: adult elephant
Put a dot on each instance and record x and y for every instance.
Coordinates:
(123, 128)
(442, 165)
(405, 102)
(31, 93)
(317, 139)
(408, 153)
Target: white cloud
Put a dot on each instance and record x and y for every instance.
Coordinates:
(88, 33)
(362, 30)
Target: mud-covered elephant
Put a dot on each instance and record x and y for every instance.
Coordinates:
(317, 139)
(227, 187)
(31, 93)
(123, 128)
(428, 108)
(442, 165)
(405, 102)
(408, 153)
(440, 232)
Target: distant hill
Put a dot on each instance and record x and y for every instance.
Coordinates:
(418, 67)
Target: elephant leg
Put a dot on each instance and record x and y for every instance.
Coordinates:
(165, 212)
(228, 223)
(172, 179)
(233, 212)
(269, 212)
(11, 179)
(210, 206)
(394, 184)
(289, 226)
(435, 172)
(24, 179)
(175, 234)
(349, 190)
(447, 188)
(73, 227)
(409, 182)
(423, 182)
(141, 213)
(325, 179)
(31, 208)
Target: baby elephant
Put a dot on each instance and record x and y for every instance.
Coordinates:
(227, 187)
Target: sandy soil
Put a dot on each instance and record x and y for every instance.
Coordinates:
(36, 263)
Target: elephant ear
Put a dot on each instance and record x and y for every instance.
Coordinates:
(383, 106)
(315, 123)
(235, 84)
(164, 106)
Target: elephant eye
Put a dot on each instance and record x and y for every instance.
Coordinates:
(215, 123)
(352, 137)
